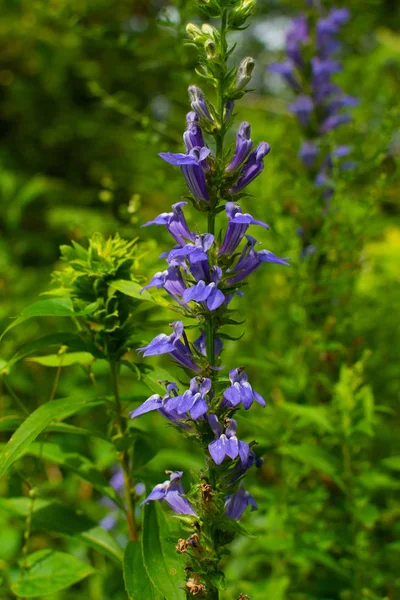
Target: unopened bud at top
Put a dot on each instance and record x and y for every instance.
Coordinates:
(245, 70)
(240, 14)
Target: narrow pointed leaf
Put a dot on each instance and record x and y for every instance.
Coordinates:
(137, 582)
(62, 360)
(132, 289)
(49, 572)
(162, 563)
(36, 423)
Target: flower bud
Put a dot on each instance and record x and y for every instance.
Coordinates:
(194, 32)
(240, 15)
(245, 70)
(210, 50)
(199, 104)
(208, 29)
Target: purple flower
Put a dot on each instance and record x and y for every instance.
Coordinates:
(243, 147)
(155, 402)
(333, 122)
(241, 468)
(253, 166)
(295, 37)
(237, 503)
(308, 154)
(285, 69)
(171, 280)
(344, 101)
(172, 492)
(339, 16)
(326, 30)
(199, 104)
(192, 166)
(201, 344)
(226, 443)
(302, 107)
(117, 482)
(193, 136)
(196, 254)
(171, 344)
(201, 292)
(250, 260)
(194, 400)
(237, 227)
(322, 69)
(229, 106)
(175, 222)
(241, 391)
(324, 90)
(339, 152)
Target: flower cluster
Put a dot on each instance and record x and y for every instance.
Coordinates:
(202, 275)
(320, 104)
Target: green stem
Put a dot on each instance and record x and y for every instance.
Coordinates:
(124, 457)
(14, 396)
(28, 530)
(348, 470)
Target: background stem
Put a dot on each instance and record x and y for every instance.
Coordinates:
(124, 457)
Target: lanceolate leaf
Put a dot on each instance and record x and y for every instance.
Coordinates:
(71, 340)
(131, 288)
(137, 582)
(12, 422)
(58, 518)
(52, 307)
(49, 572)
(36, 423)
(63, 360)
(161, 561)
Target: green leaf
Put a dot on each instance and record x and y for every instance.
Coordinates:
(160, 559)
(153, 378)
(218, 580)
(49, 571)
(367, 515)
(131, 288)
(144, 449)
(63, 360)
(12, 422)
(36, 423)
(392, 462)
(51, 307)
(59, 518)
(71, 340)
(137, 582)
(76, 463)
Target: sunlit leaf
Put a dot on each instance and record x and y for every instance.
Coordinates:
(137, 582)
(161, 561)
(28, 431)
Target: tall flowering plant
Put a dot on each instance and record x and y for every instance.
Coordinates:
(320, 105)
(203, 273)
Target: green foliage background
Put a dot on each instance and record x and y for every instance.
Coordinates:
(90, 92)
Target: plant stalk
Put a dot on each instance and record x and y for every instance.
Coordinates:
(124, 457)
